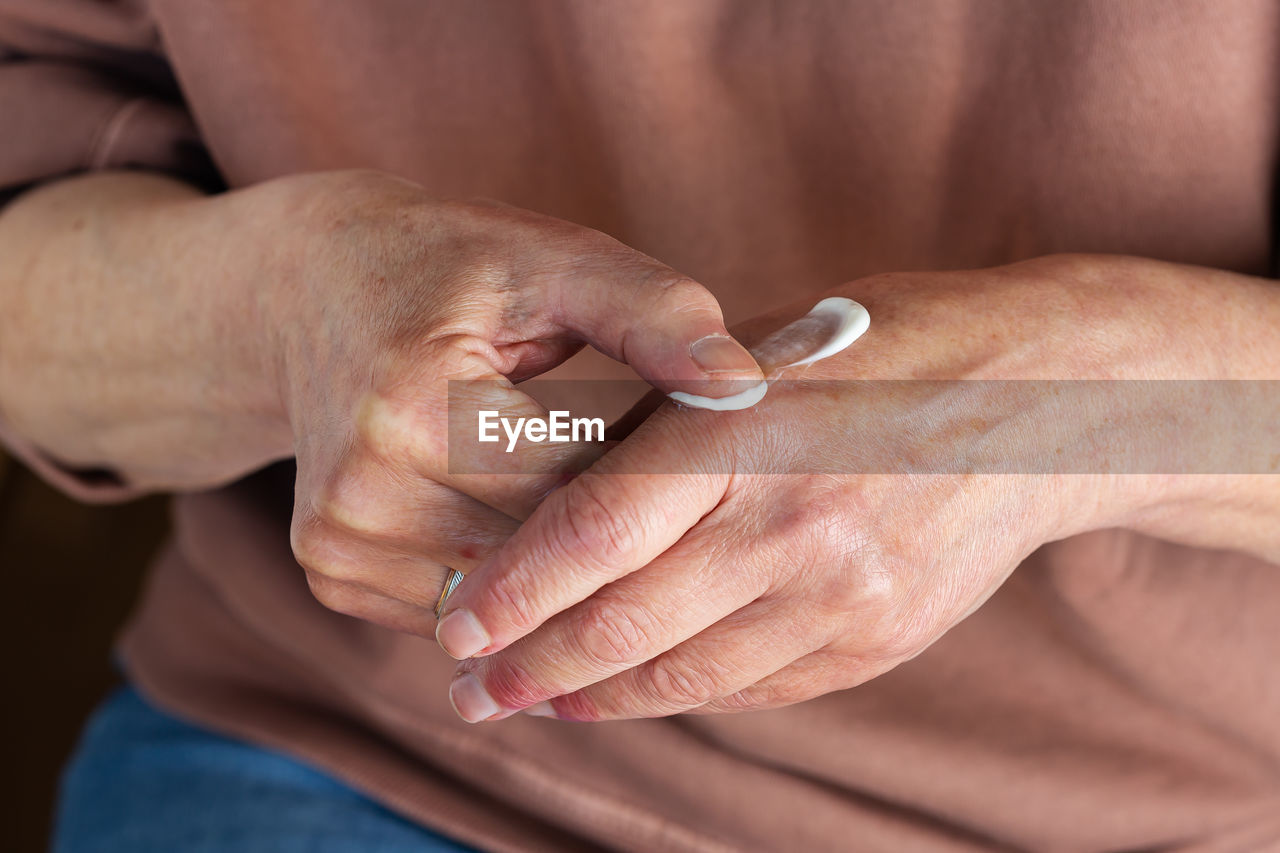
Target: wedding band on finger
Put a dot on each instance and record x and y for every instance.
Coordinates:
(450, 584)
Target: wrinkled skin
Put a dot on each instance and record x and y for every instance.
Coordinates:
(666, 580)
(387, 297)
(181, 341)
(711, 561)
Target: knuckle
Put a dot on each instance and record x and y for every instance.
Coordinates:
(874, 591)
(863, 582)
(393, 431)
(863, 595)
(507, 597)
(826, 522)
(901, 633)
(679, 687)
(873, 608)
(339, 505)
(772, 693)
(334, 595)
(798, 516)
(511, 685)
(317, 549)
(744, 700)
(611, 635)
(306, 536)
(303, 534)
(732, 703)
(680, 292)
(568, 243)
(753, 698)
(581, 706)
(818, 525)
(590, 532)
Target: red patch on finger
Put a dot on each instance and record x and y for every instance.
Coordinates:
(576, 708)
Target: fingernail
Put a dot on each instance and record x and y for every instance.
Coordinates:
(542, 709)
(722, 354)
(461, 635)
(471, 700)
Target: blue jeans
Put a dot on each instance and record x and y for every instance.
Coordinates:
(143, 782)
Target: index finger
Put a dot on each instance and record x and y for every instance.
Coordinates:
(427, 427)
(605, 524)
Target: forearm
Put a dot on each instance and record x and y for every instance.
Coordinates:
(130, 339)
(1208, 451)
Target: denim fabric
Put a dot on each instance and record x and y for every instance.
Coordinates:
(141, 781)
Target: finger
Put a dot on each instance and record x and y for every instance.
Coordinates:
(687, 590)
(814, 675)
(452, 418)
(359, 603)
(509, 451)
(666, 326)
(533, 358)
(366, 499)
(745, 647)
(340, 558)
(365, 527)
(598, 528)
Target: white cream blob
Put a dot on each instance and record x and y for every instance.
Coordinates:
(742, 400)
(850, 322)
(842, 320)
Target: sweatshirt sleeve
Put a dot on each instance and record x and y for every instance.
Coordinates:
(85, 86)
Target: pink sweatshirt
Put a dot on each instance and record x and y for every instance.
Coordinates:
(1117, 693)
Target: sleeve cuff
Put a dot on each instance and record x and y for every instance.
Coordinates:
(95, 486)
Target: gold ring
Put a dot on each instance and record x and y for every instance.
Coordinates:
(450, 584)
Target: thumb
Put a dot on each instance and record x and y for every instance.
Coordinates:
(666, 326)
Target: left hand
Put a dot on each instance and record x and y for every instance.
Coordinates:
(667, 580)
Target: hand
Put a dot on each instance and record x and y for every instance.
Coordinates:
(382, 295)
(666, 580)
(180, 341)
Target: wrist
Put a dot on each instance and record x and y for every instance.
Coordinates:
(1181, 447)
(134, 323)
(202, 259)
(311, 323)
(231, 245)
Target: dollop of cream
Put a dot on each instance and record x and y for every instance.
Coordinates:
(742, 400)
(841, 322)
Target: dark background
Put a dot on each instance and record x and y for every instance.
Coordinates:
(71, 573)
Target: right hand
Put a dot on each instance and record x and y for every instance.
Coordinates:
(379, 295)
